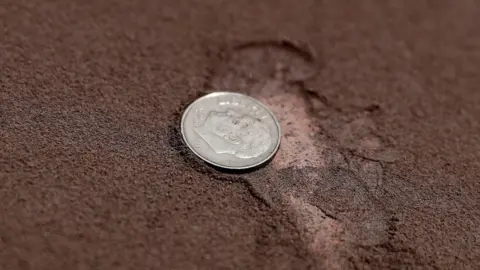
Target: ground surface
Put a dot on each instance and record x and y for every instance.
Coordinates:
(378, 102)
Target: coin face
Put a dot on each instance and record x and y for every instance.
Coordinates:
(230, 130)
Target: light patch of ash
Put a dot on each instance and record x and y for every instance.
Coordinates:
(326, 184)
(321, 233)
(298, 146)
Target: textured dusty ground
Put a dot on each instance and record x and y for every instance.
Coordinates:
(378, 102)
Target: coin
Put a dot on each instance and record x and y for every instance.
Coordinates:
(230, 130)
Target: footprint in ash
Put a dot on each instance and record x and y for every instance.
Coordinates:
(329, 193)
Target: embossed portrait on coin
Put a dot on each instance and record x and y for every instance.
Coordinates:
(240, 135)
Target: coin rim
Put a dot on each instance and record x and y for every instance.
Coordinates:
(274, 151)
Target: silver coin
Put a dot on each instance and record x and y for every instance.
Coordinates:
(230, 130)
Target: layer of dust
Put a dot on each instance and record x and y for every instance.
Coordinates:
(93, 174)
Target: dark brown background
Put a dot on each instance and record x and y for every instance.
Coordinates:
(90, 177)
